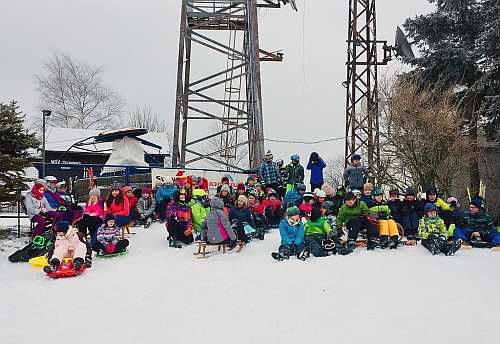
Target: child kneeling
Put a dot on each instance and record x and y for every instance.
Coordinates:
(433, 233)
(108, 238)
(292, 236)
(68, 244)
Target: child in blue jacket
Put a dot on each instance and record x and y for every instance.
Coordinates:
(292, 236)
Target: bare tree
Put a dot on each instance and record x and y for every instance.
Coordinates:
(229, 152)
(76, 95)
(334, 171)
(145, 117)
(422, 142)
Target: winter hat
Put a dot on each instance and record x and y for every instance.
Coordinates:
(241, 186)
(225, 187)
(356, 192)
(292, 211)
(268, 156)
(301, 187)
(243, 199)
(431, 191)
(115, 186)
(477, 202)
(410, 192)
(320, 193)
(430, 207)
(308, 195)
(50, 179)
(146, 190)
(250, 178)
(61, 184)
(328, 205)
(453, 199)
(95, 192)
(109, 217)
(62, 226)
(295, 157)
(355, 157)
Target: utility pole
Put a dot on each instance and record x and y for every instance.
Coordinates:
(45, 113)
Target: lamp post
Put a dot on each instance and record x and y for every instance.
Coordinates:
(45, 113)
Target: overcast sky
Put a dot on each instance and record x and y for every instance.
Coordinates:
(136, 43)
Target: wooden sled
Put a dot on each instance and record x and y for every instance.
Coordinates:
(202, 248)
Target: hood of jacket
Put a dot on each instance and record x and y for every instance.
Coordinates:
(217, 203)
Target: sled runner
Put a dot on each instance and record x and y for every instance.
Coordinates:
(202, 248)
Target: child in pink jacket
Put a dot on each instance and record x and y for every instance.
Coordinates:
(68, 244)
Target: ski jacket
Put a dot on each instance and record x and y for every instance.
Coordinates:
(54, 199)
(305, 209)
(292, 197)
(481, 222)
(291, 234)
(94, 210)
(36, 206)
(165, 193)
(181, 214)
(256, 207)
(199, 212)
(428, 226)
(355, 176)
(274, 205)
(316, 169)
(146, 206)
(241, 215)
(381, 209)
(320, 227)
(121, 209)
(216, 227)
(409, 207)
(108, 235)
(69, 242)
(269, 173)
(132, 202)
(347, 213)
(295, 173)
(367, 199)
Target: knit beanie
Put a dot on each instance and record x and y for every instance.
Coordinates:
(226, 188)
(268, 156)
(292, 211)
(108, 217)
(146, 190)
(477, 202)
(95, 192)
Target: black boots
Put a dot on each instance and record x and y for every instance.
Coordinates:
(53, 265)
(78, 264)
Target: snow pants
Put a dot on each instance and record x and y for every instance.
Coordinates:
(355, 225)
(120, 246)
(291, 249)
(88, 225)
(41, 221)
(62, 247)
(315, 244)
(465, 234)
(176, 231)
(161, 208)
(388, 228)
(410, 224)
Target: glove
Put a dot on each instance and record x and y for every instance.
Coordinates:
(110, 248)
(61, 209)
(188, 232)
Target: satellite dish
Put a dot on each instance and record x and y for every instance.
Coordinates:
(401, 45)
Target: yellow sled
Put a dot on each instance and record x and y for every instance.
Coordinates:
(39, 262)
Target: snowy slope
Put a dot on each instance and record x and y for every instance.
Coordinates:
(158, 294)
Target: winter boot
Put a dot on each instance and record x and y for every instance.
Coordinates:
(148, 222)
(394, 243)
(88, 261)
(329, 245)
(384, 241)
(279, 256)
(53, 266)
(351, 245)
(304, 254)
(452, 247)
(260, 234)
(78, 264)
(173, 243)
(345, 250)
(372, 244)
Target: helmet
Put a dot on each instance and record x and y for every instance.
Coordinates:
(356, 192)
(377, 192)
(328, 205)
(50, 179)
(295, 157)
(308, 195)
(431, 190)
(280, 162)
(410, 192)
(301, 187)
(320, 193)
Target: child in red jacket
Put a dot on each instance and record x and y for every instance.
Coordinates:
(272, 208)
(117, 204)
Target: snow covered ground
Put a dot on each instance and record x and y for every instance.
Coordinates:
(158, 294)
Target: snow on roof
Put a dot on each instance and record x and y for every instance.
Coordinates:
(60, 139)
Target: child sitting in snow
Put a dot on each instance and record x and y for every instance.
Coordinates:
(433, 233)
(272, 206)
(108, 238)
(292, 236)
(69, 244)
(316, 230)
(387, 227)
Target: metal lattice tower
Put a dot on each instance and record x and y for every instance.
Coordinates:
(362, 110)
(229, 98)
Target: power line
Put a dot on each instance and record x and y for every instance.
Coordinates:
(307, 142)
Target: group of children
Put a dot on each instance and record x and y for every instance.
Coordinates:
(321, 222)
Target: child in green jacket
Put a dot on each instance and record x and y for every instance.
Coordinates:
(200, 207)
(433, 232)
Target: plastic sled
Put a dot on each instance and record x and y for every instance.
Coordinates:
(110, 255)
(66, 270)
(39, 262)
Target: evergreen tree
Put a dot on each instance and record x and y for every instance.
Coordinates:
(459, 46)
(14, 145)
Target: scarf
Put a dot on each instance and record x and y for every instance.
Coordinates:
(36, 192)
